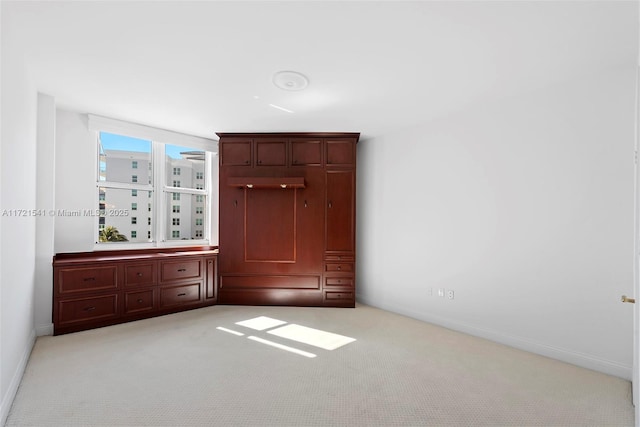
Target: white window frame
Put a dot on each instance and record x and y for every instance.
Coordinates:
(161, 206)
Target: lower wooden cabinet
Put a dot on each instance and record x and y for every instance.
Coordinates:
(95, 289)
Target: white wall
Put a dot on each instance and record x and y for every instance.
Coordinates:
(75, 182)
(17, 191)
(523, 208)
(45, 193)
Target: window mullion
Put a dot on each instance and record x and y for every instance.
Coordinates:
(158, 217)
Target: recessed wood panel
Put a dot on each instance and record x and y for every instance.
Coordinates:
(264, 282)
(270, 225)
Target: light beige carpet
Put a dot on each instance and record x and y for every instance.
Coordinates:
(180, 370)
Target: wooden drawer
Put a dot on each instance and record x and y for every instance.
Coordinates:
(90, 278)
(177, 270)
(339, 295)
(139, 274)
(345, 267)
(138, 301)
(339, 281)
(84, 309)
(179, 295)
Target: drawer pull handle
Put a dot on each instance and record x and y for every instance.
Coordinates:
(339, 267)
(139, 300)
(182, 294)
(140, 274)
(182, 269)
(88, 279)
(89, 308)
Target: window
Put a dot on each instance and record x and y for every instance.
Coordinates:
(170, 217)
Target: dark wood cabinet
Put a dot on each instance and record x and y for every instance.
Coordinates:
(94, 289)
(287, 219)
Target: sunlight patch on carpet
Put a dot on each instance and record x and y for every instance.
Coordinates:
(231, 331)
(261, 323)
(314, 337)
(282, 347)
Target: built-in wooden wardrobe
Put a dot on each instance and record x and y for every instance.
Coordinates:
(287, 219)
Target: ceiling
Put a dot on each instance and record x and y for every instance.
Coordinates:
(207, 66)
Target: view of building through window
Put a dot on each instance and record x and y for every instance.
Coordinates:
(126, 180)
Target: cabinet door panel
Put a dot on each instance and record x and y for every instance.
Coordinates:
(306, 153)
(340, 211)
(237, 153)
(271, 153)
(341, 153)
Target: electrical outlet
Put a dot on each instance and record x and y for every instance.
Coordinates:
(450, 294)
(441, 292)
(430, 292)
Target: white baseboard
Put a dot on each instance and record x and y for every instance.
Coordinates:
(43, 330)
(575, 358)
(7, 399)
